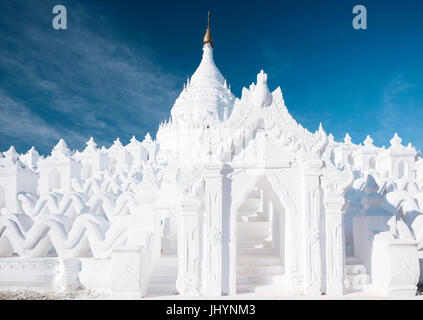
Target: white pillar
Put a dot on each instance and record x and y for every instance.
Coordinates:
(189, 273)
(214, 207)
(311, 214)
(335, 244)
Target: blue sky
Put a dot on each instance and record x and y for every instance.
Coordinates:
(117, 69)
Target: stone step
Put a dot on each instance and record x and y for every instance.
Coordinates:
(255, 194)
(257, 228)
(165, 289)
(163, 269)
(254, 244)
(279, 288)
(276, 289)
(356, 282)
(166, 260)
(257, 251)
(260, 269)
(157, 278)
(252, 218)
(352, 260)
(250, 259)
(250, 204)
(254, 279)
(356, 269)
(258, 218)
(245, 288)
(250, 212)
(255, 238)
(280, 280)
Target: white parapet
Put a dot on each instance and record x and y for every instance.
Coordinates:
(39, 274)
(395, 267)
(128, 272)
(95, 274)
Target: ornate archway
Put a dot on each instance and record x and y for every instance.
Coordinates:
(284, 214)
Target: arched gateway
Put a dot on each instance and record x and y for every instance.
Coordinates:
(258, 203)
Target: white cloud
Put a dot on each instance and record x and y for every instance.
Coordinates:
(87, 79)
(18, 123)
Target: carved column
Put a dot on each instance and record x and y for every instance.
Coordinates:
(335, 184)
(212, 223)
(311, 214)
(188, 282)
(335, 254)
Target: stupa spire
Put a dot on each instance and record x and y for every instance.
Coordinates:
(208, 37)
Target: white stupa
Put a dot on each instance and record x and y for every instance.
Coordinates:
(206, 96)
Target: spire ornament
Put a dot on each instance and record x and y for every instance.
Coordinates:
(208, 37)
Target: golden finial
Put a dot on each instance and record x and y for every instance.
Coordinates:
(208, 37)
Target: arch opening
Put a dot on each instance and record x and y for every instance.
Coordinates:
(260, 238)
(87, 171)
(113, 165)
(54, 180)
(2, 199)
(372, 163)
(402, 169)
(165, 263)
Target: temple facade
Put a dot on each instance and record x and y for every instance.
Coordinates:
(233, 196)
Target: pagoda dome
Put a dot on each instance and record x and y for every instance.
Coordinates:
(206, 95)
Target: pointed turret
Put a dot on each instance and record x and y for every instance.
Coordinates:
(61, 150)
(91, 145)
(11, 154)
(396, 140)
(134, 140)
(347, 139)
(30, 159)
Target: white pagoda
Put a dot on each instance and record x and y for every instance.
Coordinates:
(233, 196)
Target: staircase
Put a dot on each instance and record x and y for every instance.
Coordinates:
(163, 278)
(356, 275)
(258, 268)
